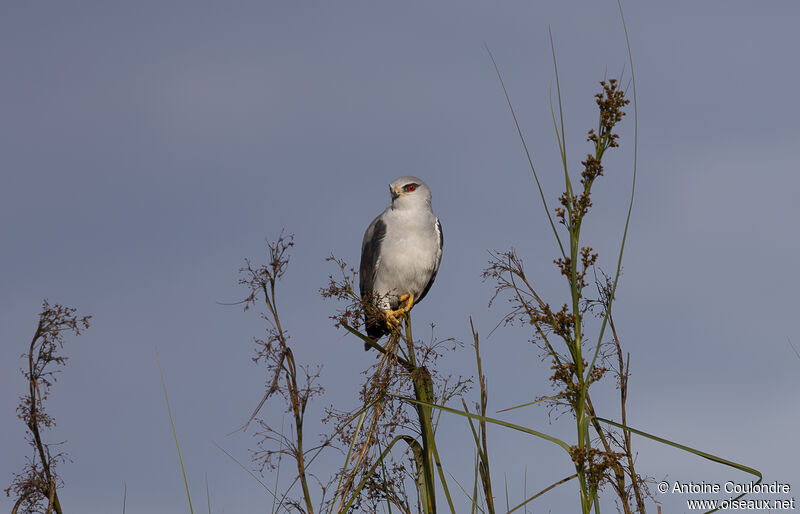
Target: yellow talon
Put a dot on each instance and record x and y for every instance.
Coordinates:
(392, 316)
(391, 319)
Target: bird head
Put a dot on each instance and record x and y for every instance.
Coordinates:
(409, 192)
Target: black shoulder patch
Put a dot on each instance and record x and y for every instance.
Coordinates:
(370, 251)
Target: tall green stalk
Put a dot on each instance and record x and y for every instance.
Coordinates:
(423, 391)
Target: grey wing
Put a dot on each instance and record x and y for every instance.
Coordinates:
(370, 255)
(436, 266)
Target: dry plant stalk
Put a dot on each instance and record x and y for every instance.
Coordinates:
(285, 373)
(35, 487)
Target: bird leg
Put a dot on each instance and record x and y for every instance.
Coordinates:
(409, 299)
(393, 315)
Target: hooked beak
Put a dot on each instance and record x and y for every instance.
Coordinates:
(394, 192)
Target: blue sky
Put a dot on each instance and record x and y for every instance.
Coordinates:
(147, 149)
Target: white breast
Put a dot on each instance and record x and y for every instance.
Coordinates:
(409, 254)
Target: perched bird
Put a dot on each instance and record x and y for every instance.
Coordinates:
(400, 254)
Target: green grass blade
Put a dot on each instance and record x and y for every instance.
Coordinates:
(475, 485)
(473, 500)
(505, 479)
(384, 481)
(483, 462)
(234, 459)
(793, 348)
(699, 453)
(540, 400)
(349, 453)
(474, 432)
(208, 495)
(487, 419)
(562, 140)
(440, 469)
(278, 467)
(175, 434)
(548, 488)
(527, 153)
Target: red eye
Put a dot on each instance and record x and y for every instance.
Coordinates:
(410, 187)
